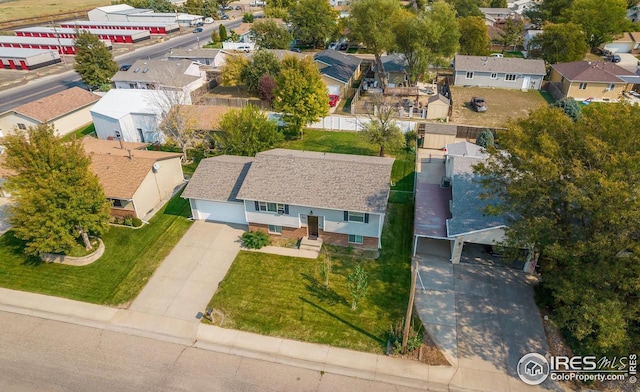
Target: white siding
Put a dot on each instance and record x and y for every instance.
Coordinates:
(333, 219)
(10, 120)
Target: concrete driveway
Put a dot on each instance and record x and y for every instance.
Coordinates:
(483, 317)
(5, 202)
(187, 279)
(628, 61)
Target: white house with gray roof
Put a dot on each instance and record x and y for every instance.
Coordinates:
(501, 72)
(338, 198)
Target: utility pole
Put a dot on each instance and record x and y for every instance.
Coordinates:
(407, 320)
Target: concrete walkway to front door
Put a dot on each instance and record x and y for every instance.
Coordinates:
(187, 279)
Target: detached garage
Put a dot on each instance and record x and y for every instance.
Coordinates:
(213, 189)
(436, 136)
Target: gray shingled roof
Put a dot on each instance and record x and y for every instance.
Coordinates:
(166, 72)
(323, 180)
(218, 178)
(467, 208)
(194, 53)
(441, 129)
(499, 65)
(466, 149)
(340, 66)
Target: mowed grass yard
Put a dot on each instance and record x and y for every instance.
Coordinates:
(21, 9)
(503, 105)
(130, 258)
(285, 296)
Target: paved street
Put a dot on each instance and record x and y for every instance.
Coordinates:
(43, 355)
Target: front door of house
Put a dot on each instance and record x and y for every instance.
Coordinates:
(312, 227)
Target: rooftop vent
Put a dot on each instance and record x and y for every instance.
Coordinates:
(136, 70)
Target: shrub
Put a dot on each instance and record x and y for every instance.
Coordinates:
(215, 36)
(410, 140)
(128, 220)
(485, 139)
(137, 222)
(255, 239)
(570, 106)
(247, 18)
(414, 342)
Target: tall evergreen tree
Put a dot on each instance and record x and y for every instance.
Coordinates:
(94, 61)
(59, 201)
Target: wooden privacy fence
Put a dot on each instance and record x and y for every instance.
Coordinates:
(235, 102)
(471, 132)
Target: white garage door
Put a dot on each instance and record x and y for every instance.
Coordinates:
(220, 211)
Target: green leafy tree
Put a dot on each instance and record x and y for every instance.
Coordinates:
(209, 9)
(429, 38)
(263, 63)
(485, 139)
(247, 132)
(601, 20)
(560, 43)
(301, 94)
(194, 7)
(474, 36)
(222, 31)
(215, 37)
(59, 201)
(94, 62)
(498, 4)
(512, 34)
(248, 18)
(223, 3)
(155, 5)
(232, 70)
(549, 11)
(382, 130)
(314, 21)
(569, 191)
(373, 22)
(271, 35)
(570, 107)
(466, 8)
(357, 286)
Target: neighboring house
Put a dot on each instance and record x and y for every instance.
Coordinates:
(339, 198)
(522, 6)
(438, 107)
(174, 75)
(595, 80)
(200, 117)
(245, 34)
(396, 70)
(528, 36)
(67, 110)
(213, 57)
(622, 44)
(133, 114)
(453, 211)
(496, 15)
(512, 73)
(633, 13)
(136, 181)
(338, 71)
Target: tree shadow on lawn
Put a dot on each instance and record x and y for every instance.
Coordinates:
(345, 322)
(322, 293)
(16, 247)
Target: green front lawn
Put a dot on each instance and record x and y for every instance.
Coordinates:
(284, 296)
(402, 175)
(130, 258)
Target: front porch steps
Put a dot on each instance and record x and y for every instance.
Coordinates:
(313, 245)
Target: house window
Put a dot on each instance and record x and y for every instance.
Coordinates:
(21, 126)
(583, 86)
(355, 239)
(510, 77)
(356, 217)
(272, 207)
(132, 85)
(611, 87)
(469, 75)
(262, 206)
(494, 75)
(140, 134)
(273, 229)
(118, 203)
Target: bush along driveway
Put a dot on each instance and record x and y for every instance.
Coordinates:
(130, 258)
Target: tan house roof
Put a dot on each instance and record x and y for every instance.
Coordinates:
(122, 170)
(635, 36)
(243, 28)
(57, 105)
(624, 37)
(591, 71)
(204, 117)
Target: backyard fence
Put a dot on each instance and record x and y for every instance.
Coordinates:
(348, 123)
(235, 102)
(471, 132)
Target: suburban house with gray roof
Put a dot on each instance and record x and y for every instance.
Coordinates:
(338, 198)
(172, 75)
(592, 80)
(338, 71)
(512, 73)
(453, 210)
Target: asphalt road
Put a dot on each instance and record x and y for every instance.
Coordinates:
(55, 83)
(44, 355)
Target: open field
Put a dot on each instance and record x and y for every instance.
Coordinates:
(21, 9)
(503, 105)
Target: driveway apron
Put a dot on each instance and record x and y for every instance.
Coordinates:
(187, 279)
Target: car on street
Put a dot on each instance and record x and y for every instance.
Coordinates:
(225, 17)
(478, 104)
(333, 100)
(238, 8)
(197, 30)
